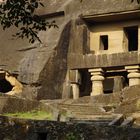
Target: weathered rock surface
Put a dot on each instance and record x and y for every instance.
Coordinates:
(10, 104)
(43, 67)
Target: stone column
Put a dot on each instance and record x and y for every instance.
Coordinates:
(75, 80)
(133, 75)
(75, 90)
(97, 81)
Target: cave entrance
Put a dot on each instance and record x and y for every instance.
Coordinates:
(5, 86)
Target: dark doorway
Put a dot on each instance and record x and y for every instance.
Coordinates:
(42, 136)
(5, 86)
(86, 85)
(115, 81)
(108, 85)
(132, 37)
(104, 42)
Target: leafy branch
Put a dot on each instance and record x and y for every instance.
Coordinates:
(21, 14)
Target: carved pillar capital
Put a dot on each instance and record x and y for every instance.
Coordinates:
(133, 75)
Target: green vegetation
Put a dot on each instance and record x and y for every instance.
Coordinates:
(22, 15)
(74, 136)
(35, 115)
(71, 136)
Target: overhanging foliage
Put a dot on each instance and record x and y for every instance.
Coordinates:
(21, 14)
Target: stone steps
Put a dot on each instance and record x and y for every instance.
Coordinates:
(104, 117)
(81, 112)
(94, 119)
(122, 120)
(91, 113)
(110, 120)
(81, 109)
(87, 113)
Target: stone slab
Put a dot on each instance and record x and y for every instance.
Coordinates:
(76, 61)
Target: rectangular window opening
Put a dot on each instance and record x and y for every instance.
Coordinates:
(104, 42)
(132, 37)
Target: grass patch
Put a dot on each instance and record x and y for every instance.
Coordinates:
(34, 115)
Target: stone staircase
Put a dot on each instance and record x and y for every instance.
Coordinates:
(122, 120)
(86, 113)
(71, 111)
(93, 114)
(81, 109)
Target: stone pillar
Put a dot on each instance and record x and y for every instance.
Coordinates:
(75, 80)
(119, 83)
(97, 81)
(133, 75)
(75, 90)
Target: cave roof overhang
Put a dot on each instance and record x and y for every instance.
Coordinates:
(112, 17)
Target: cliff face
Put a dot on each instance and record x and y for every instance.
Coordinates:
(43, 67)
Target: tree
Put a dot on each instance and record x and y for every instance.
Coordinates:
(21, 14)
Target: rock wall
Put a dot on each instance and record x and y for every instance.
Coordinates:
(14, 105)
(42, 67)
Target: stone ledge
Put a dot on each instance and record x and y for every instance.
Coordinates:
(79, 61)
